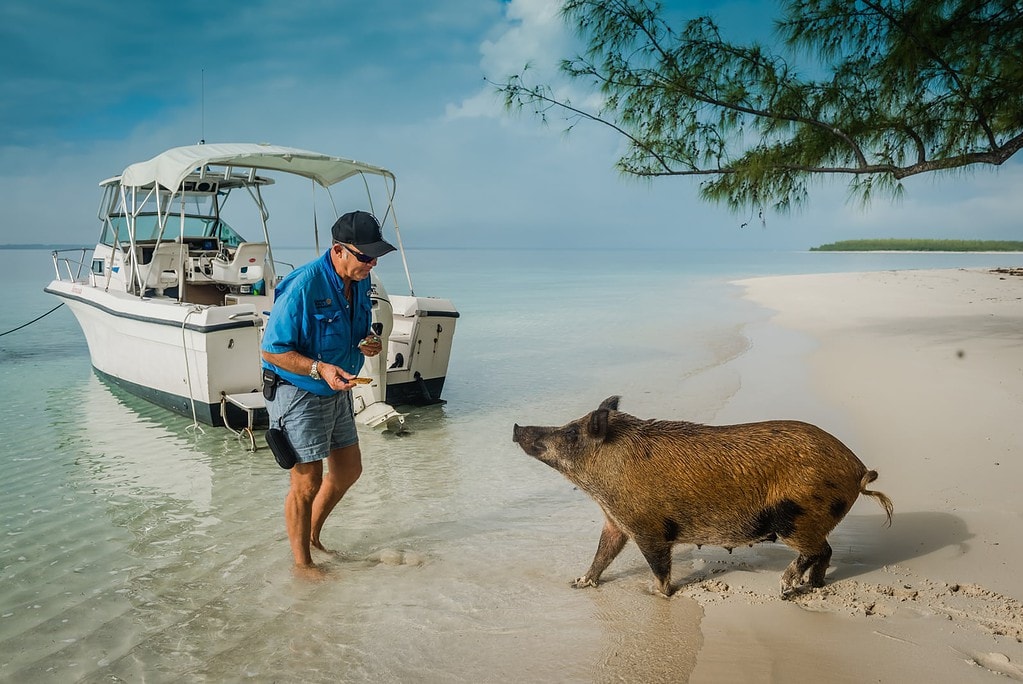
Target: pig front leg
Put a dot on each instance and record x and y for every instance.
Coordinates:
(612, 541)
(658, 556)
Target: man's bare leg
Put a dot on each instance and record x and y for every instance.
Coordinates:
(306, 479)
(344, 466)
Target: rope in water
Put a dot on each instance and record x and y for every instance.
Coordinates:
(32, 321)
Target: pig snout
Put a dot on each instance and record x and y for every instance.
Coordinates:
(528, 439)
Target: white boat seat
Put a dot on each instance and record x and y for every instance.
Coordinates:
(243, 267)
(163, 269)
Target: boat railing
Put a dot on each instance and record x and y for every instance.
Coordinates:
(72, 267)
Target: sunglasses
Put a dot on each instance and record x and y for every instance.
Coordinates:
(363, 258)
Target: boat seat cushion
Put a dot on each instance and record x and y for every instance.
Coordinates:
(162, 270)
(244, 266)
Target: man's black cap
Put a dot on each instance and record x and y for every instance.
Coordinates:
(361, 230)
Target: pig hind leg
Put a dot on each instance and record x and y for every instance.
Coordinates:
(819, 566)
(612, 541)
(804, 529)
(814, 557)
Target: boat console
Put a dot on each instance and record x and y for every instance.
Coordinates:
(202, 262)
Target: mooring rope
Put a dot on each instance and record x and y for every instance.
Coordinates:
(32, 321)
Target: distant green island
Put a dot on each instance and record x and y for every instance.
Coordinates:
(43, 246)
(921, 245)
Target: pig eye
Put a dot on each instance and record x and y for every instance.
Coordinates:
(572, 433)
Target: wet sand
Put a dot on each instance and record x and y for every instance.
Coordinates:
(921, 374)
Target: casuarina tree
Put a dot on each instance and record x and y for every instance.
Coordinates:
(876, 90)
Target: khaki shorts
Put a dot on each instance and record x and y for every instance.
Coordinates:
(315, 425)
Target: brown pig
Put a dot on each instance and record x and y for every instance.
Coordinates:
(663, 483)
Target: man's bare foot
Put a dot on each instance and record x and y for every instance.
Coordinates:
(311, 572)
(316, 544)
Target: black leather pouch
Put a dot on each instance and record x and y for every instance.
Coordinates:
(283, 452)
(270, 382)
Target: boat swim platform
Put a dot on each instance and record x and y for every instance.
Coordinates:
(252, 403)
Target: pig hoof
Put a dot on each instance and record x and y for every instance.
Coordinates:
(791, 591)
(583, 582)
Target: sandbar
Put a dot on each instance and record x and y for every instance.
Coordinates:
(921, 374)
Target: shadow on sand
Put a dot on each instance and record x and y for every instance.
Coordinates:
(860, 544)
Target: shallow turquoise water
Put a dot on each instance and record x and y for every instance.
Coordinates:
(136, 547)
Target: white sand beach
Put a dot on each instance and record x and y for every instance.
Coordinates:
(921, 374)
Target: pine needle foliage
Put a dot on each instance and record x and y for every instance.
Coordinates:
(877, 90)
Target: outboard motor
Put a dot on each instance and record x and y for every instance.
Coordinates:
(371, 407)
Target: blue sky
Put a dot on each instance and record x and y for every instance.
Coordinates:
(91, 87)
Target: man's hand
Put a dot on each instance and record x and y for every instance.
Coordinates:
(335, 377)
(371, 345)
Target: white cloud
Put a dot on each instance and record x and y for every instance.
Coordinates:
(534, 33)
(531, 36)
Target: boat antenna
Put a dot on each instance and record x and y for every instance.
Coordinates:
(202, 107)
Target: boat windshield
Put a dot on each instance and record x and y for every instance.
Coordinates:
(147, 227)
(195, 217)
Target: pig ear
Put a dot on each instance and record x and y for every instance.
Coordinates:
(597, 427)
(611, 403)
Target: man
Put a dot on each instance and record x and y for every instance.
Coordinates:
(315, 340)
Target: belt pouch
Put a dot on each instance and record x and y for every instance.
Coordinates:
(270, 382)
(283, 452)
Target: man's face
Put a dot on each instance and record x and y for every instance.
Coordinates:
(353, 264)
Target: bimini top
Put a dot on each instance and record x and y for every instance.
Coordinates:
(170, 168)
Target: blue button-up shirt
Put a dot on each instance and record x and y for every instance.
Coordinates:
(310, 315)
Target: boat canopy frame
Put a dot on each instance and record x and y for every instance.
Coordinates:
(172, 176)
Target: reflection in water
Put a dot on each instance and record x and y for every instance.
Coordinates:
(124, 448)
(647, 638)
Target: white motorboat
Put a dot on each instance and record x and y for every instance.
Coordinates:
(173, 299)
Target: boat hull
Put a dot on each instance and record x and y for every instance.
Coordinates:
(179, 356)
(186, 358)
(210, 414)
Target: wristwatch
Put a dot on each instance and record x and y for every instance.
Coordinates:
(314, 370)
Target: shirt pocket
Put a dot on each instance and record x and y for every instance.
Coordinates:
(332, 335)
(363, 316)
